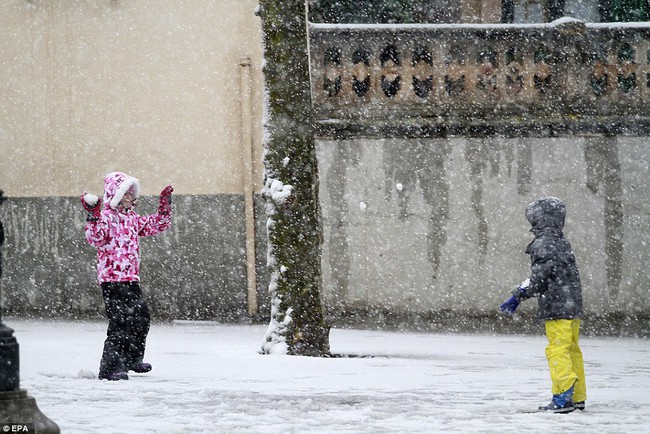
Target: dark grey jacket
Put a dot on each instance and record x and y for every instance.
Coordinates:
(554, 278)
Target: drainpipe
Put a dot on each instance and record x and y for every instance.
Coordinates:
(247, 169)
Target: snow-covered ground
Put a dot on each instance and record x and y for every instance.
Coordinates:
(209, 378)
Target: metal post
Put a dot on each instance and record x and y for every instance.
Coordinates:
(18, 411)
(247, 169)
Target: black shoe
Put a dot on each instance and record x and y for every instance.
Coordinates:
(579, 405)
(141, 368)
(114, 376)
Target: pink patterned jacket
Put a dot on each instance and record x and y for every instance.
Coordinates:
(116, 233)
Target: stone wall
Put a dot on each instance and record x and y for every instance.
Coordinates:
(427, 226)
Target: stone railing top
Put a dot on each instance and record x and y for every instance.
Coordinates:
(446, 26)
(544, 79)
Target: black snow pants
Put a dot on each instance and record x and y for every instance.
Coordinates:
(128, 326)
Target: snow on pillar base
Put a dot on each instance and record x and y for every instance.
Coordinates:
(19, 409)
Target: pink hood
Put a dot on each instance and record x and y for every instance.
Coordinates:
(116, 185)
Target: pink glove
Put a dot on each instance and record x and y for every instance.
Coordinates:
(165, 201)
(92, 204)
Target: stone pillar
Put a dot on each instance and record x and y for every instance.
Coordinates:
(491, 11)
(481, 11)
(471, 11)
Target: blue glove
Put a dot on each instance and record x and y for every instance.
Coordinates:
(510, 305)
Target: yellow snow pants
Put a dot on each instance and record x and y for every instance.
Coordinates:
(565, 358)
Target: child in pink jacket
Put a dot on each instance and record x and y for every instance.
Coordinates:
(115, 231)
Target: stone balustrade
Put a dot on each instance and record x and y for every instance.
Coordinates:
(555, 78)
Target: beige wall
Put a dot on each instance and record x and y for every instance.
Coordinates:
(149, 87)
(481, 11)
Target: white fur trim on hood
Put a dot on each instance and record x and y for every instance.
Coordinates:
(116, 185)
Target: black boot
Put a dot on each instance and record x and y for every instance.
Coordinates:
(114, 376)
(141, 367)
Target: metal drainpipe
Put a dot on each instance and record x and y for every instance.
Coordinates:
(247, 166)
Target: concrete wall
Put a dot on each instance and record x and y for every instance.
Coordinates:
(195, 270)
(420, 227)
(150, 87)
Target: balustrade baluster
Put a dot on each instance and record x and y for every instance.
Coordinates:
(565, 72)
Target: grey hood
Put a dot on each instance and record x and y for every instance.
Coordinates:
(546, 214)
